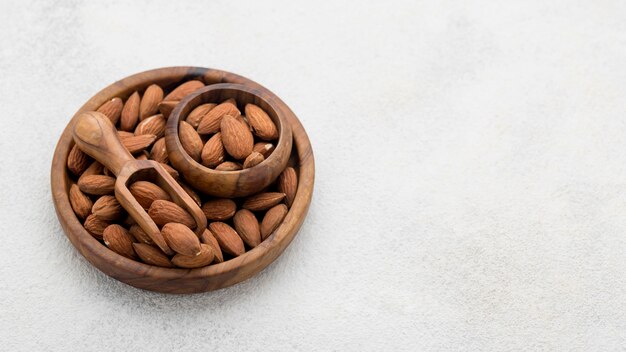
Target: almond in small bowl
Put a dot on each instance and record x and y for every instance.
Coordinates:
(229, 140)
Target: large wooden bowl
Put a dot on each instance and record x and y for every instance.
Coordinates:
(239, 183)
(180, 280)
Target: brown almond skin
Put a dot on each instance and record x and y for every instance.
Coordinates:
(147, 192)
(264, 148)
(166, 107)
(196, 115)
(211, 121)
(112, 109)
(158, 152)
(263, 201)
(142, 156)
(190, 140)
(227, 237)
(253, 159)
(213, 151)
(208, 238)
(181, 239)
(94, 169)
(130, 112)
(184, 89)
(140, 235)
(247, 227)
(97, 184)
(219, 209)
(164, 211)
(119, 240)
(152, 255)
(80, 202)
(95, 226)
(229, 166)
(150, 102)
(287, 183)
(77, 161)
(154, 124)
(261, 123)
(272, 220)
(204, 258)
(107, 208)
(237, 139)
(136, 144)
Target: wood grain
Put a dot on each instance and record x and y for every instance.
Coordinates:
(169, 279)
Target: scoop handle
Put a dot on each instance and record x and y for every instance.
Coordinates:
(95, 135)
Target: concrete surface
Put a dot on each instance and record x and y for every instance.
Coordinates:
(471, 174)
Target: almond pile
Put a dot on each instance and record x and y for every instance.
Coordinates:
(221, 138)
(218, 136)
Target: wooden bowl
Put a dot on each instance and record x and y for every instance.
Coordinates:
(180, 280)
(229, 184)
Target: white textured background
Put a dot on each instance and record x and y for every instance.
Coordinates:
(471, 174)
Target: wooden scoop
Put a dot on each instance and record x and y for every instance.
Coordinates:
(95, 135)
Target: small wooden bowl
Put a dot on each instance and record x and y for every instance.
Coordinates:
(180, 280)
(229, 184)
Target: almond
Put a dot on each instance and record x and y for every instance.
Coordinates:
(152, 255)
(204, 258)
(213, 151)
(181, 239)
(261, 123)
(94, 169)
(272, 220)
(184, 89)
(228, 166)
(154, 124)
(95, 226)
(142, 156)
(150, 102)
(130, 113)
(135, 144)
(237, 140)
(211, 121)
(191, 193)
(288, 183)
(198, 113)
(227, 237)
(263, 201)
(208, 238)
(170, 170)
(166, 107)
(140, 235)
(163, 211)
(77, 161)
(147, 192)
(264, 148)
(253, 159)
(119, 240)
(243, 121)
(190, 140)
(112, 109)
(158, 152)
(96, 184)
(80, 202)
(107, 208)
(247, 227)
(219, 209)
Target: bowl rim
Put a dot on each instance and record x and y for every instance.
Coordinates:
(177, 280)
(284, 138)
